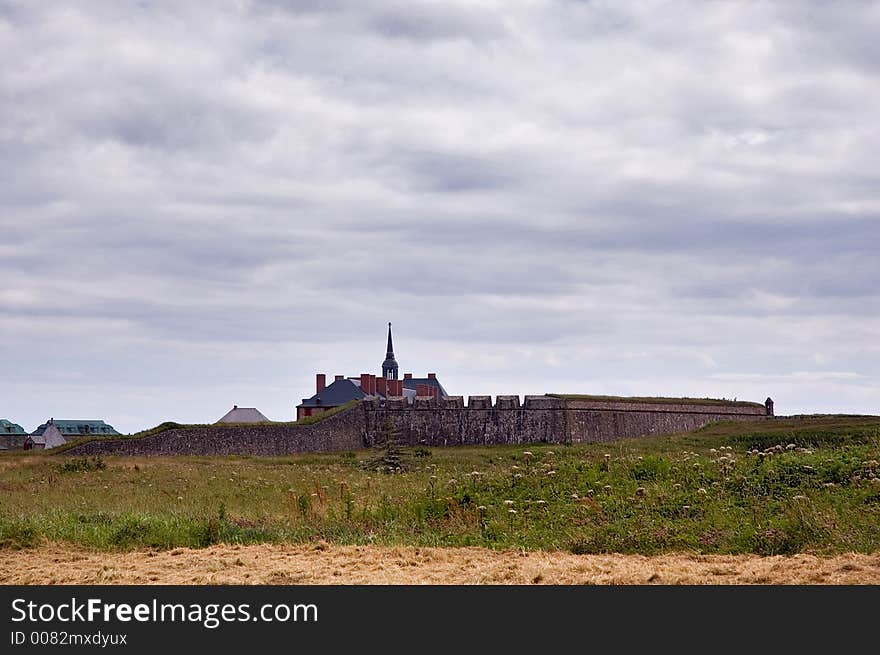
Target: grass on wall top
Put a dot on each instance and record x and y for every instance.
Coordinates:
(656, 400)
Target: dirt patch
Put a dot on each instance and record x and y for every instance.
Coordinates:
(327, 564)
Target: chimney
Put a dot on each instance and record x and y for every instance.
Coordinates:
(320, 382)
(382, 386)
(365, 383)
(337, 378)
(372, 385)
(395, 388)
(432, 376)
(407, 376)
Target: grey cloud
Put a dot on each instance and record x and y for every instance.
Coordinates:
(575, 196)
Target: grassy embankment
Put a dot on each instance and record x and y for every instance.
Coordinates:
(655, 400)
(807, 484)
(170, 425)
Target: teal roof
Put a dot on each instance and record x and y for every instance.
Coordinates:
(8, 427)
(77, 427)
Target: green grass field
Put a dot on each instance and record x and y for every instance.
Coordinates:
(807, 484)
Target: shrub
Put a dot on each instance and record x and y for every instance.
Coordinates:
(650, 467)
(83, 464)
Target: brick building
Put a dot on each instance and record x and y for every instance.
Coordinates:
(388, 385)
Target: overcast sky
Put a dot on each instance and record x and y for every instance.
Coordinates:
(203, 204)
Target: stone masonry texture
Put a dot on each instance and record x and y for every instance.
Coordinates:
(435, 422)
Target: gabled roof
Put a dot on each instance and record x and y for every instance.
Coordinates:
(335, 394)
(69, 427)
(412, 383)
(50, 437)
(243, 415)
(8, 427)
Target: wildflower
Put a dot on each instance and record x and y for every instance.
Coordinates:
(452, 482)
(791, 446)
(575, 496)
(607, 456)
(551, 472)
(514, 468)
(475, 473)
(685, 507)
(517, 475)
(590, 493)
(550, 452)
(701, 491)
(527, 453)
(712, 450)
(180, 498)
(640, 492)
(508, 502)
(511, 511)
(433, 477)
(676, 486)
(607, 488)
(799, 497)
(482, 508)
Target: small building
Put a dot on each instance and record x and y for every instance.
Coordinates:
(12, 435)
(243, 415)
(345, 389)
(54, 433)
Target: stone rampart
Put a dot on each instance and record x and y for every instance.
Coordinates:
(439, 422)
(343, 431)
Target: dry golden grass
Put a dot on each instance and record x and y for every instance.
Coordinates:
(328, 564)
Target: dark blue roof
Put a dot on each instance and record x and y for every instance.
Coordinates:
(410, 383)
(337, 393)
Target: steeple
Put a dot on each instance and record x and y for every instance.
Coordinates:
(389, 366)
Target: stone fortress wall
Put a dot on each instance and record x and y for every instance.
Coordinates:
(441, 422)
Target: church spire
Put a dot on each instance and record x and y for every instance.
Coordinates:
(389, 366)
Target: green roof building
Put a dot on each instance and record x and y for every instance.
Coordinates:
(57, 432)
(8, 427)
(12, 435)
